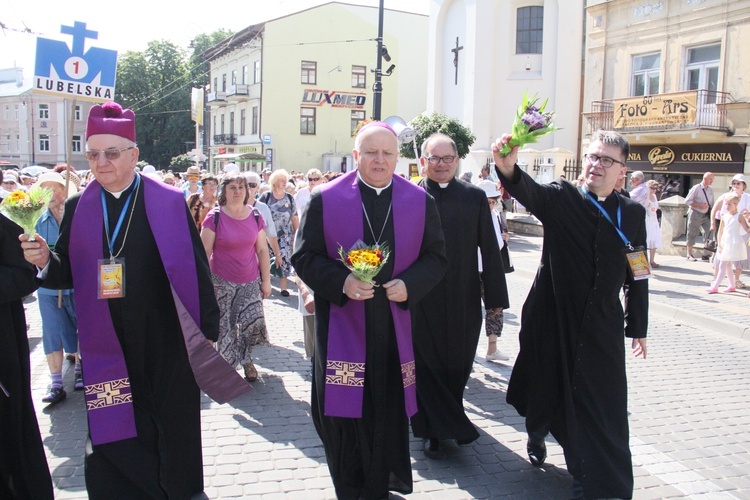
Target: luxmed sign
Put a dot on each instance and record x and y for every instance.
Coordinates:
(335, 98)
(60, 70)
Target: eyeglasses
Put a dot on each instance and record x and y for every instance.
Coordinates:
(435, 160)
(109, 153)
(194, 177)
(652, 188)
(313, 179)
(252, 184)
(604, 161)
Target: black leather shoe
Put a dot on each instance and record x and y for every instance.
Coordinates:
(432, 449)
(537, 453)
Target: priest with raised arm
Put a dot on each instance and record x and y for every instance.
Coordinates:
(569, 378)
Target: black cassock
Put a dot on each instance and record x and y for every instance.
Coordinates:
(23, 466)
(449, 319)
(367, 456)
(165, 459)
(570, 373)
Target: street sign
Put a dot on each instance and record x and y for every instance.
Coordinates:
(71, 72)
(267, 140)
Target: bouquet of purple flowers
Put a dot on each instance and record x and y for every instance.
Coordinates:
(531, 123)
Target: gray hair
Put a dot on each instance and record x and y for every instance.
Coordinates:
(613, 139)
(637, 175)
(252, 177)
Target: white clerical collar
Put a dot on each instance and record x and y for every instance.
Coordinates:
(599, 198)
(117, 194)
(443, 185)
(377, 189)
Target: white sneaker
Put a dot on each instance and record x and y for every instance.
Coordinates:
(496, 356)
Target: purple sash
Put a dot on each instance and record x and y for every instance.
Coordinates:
(342, 226)
(108, 398)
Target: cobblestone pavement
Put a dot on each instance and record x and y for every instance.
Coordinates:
(689, 401)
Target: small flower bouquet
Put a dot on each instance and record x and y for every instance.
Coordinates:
(531, 123)
(364, 261)
(25, 208)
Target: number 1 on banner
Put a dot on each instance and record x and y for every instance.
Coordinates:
(76, 67)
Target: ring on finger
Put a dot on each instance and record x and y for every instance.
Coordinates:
(357, 295)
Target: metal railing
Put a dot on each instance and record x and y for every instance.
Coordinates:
(225, 139)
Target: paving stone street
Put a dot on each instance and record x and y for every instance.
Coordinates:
(689, 404)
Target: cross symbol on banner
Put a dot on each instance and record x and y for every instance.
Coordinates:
(345, 373)
(80, 34)
(108, 393)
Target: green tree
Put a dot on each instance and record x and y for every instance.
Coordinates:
(156, 84)
(426, 125)
(181, 163)
(200, 69)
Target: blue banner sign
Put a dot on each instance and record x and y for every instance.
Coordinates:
(71, 72)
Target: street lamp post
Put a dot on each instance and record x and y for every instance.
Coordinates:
(377, 88)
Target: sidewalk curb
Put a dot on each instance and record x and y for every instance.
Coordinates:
(702, 321)
(694, 319)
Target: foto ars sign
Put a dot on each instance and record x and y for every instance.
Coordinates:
(71, 72)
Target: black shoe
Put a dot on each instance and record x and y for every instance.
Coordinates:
(54, 395)
(71, 358)
(706, 258)
(78, 385)
(537, 453)
(432, 449)
(285, 293)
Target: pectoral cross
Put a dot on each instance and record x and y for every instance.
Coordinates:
(455, 59)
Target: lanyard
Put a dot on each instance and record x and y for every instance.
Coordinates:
(111, 241)
(606, 216)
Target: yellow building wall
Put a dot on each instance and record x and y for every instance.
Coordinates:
(335, 35)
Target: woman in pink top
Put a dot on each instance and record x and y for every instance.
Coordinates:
(235, 241)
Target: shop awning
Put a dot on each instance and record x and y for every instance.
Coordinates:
(240, 156)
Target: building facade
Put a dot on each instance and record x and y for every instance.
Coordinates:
(35, 128)
(670, 76)
(290, 92)
(484, 55)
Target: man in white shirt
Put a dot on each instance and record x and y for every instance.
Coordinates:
(700, 199)
(639, 191)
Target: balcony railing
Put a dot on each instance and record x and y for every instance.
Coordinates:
(217, 98)
(238, 92)
(225, 139)
(709, 114)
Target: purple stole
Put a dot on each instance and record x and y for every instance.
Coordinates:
(342, 227)
(109, 402)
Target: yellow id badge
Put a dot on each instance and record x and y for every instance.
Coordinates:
(111, 278)
(638, 262)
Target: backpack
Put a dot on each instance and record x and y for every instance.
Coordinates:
(217, 212)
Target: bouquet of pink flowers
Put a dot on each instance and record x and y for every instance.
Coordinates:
(531, 123)
(25, 208)
(364, 261)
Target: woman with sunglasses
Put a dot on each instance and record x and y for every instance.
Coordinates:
(738, 187)
(202, 202)
(235, 241)
(284, 212)
(653, 231)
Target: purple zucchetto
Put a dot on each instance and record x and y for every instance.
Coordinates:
(374, 124)
(110, 118)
